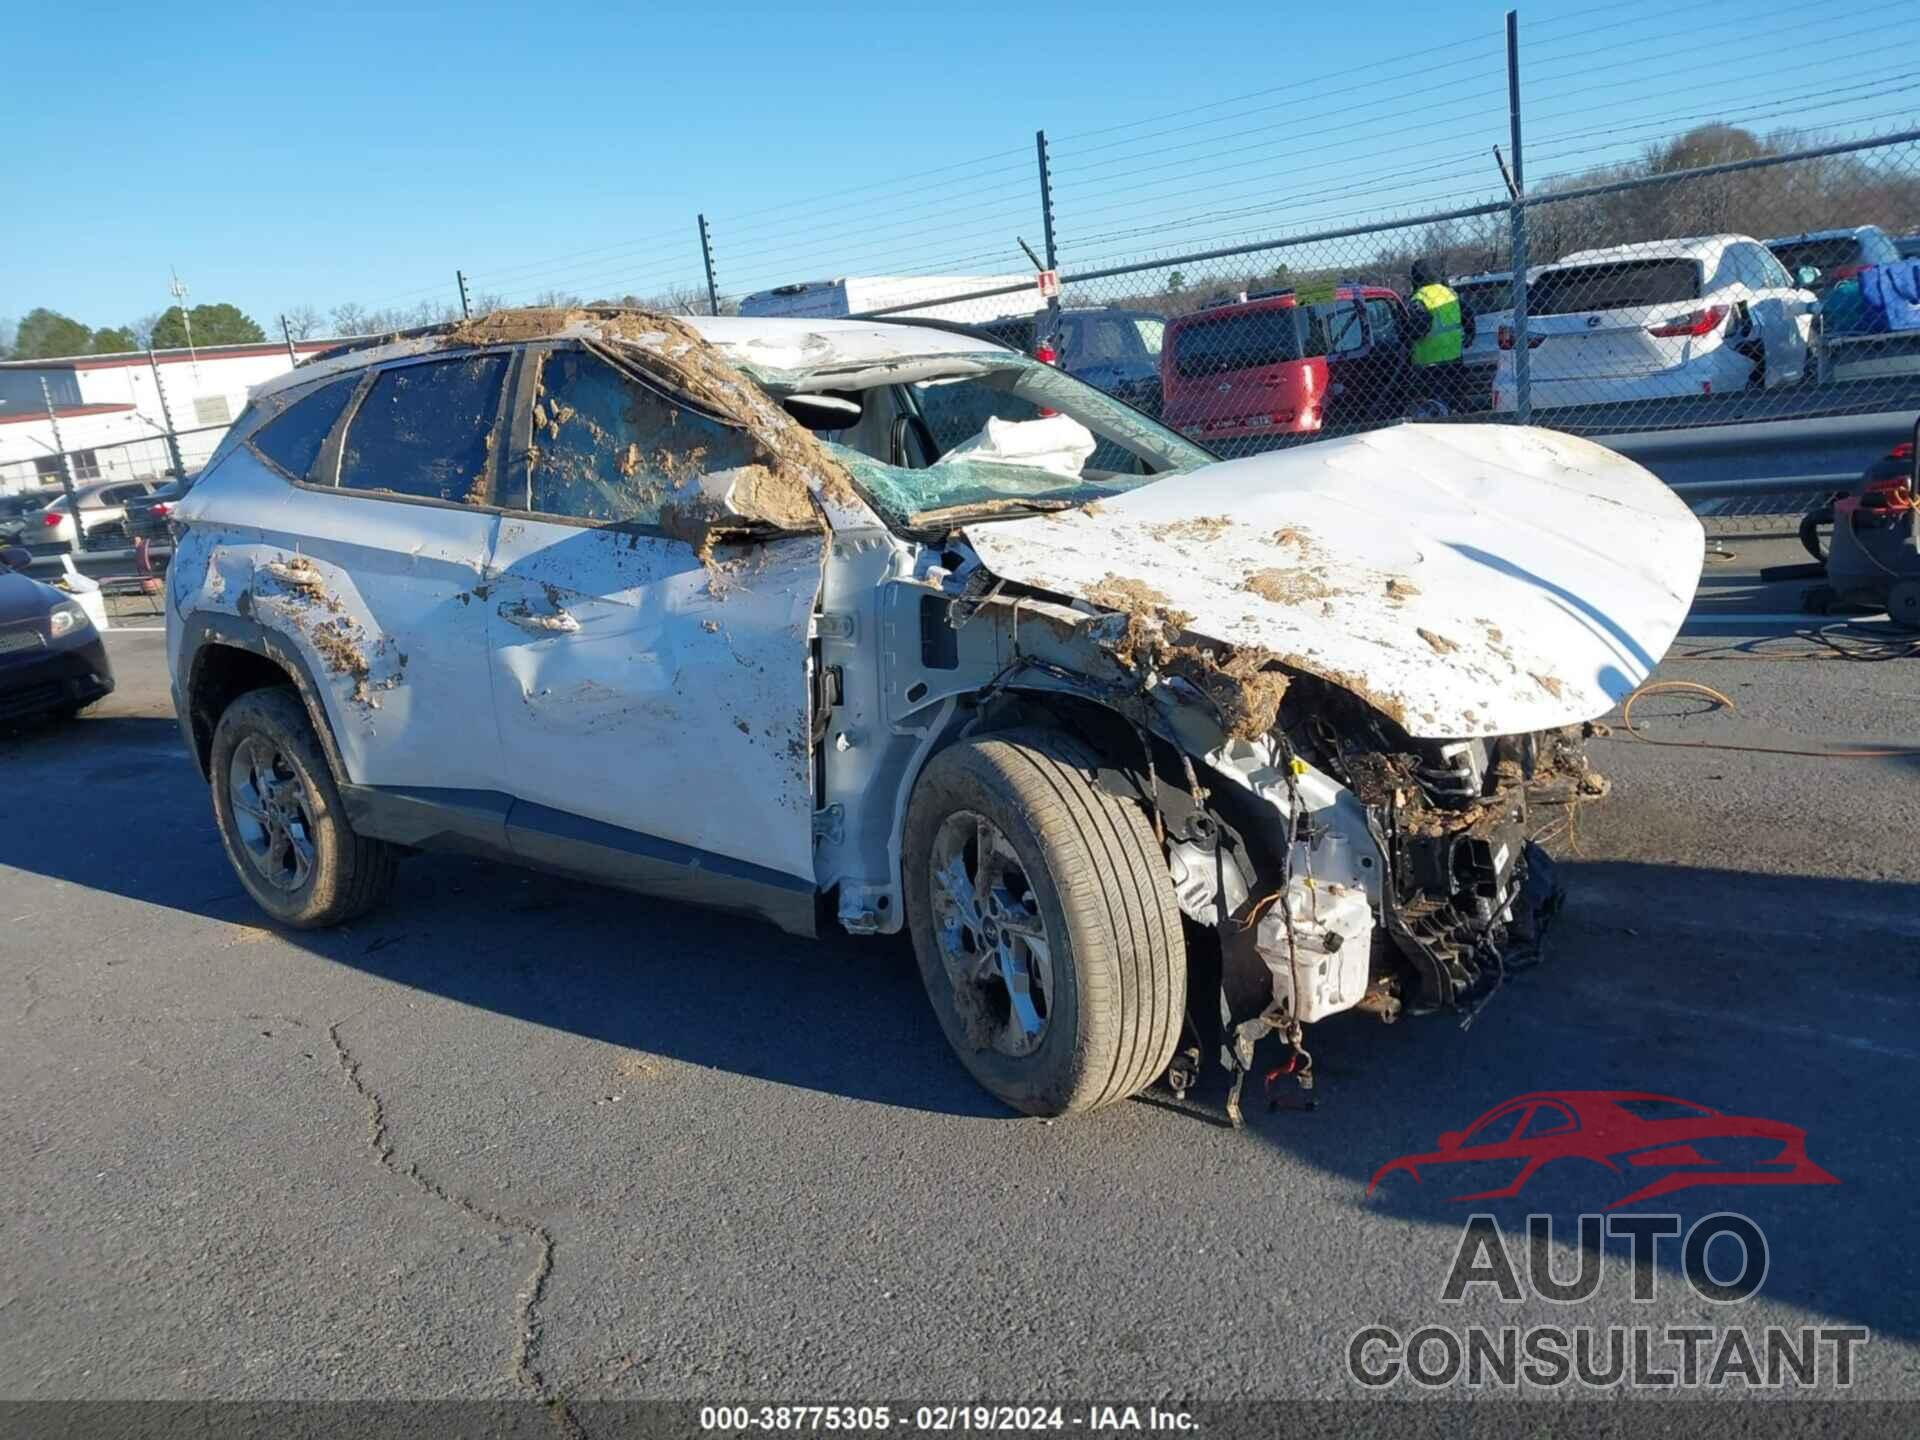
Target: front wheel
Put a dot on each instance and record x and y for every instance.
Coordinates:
(281, 818)
(1044, 923)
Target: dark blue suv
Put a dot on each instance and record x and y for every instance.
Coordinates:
(1114, 350)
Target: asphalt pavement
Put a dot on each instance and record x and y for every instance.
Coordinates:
(517, 1137)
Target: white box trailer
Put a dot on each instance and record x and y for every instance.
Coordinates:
(860, 294)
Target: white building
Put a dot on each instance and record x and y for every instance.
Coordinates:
(112, 411)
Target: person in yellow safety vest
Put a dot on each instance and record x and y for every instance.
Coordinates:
(1441, 329)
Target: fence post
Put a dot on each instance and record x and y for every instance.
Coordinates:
(66, 470)
(166, 415)
(286, 331)
(706, 255)
(466, 309)
(1046, 232)
(1522, 376)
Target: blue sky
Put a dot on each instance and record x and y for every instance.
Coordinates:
(322, 154)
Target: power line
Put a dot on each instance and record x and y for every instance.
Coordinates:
(1070, 172)
(1718, 114)
(1426, 53)
(860, 189)
(1741, 44)
(1290, 172)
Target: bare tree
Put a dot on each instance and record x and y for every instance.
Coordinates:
(349, 319)
(303, 321)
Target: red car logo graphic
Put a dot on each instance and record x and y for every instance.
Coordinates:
(1677, 1143)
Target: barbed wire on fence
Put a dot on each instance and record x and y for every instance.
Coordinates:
(1244, 267)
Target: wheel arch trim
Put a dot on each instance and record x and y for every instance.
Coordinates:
(203, 634)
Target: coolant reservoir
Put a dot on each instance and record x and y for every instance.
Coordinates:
(1326, 970)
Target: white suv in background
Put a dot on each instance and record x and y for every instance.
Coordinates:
(1659, 320)
(1488, 297)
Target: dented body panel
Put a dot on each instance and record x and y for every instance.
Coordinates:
(374, 596)
(1468, 580)
(637, 686)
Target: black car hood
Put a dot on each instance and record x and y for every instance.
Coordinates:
(24, 598)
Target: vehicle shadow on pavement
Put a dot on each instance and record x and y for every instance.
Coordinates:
(114, 805)
(839, 1015)
(1783, 999)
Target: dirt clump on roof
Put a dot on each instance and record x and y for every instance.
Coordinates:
(1200, 527)
(512, 327)
(791, 466)
(1293, 586)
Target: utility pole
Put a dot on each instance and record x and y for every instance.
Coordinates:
(1046, 236)
(66, 470)
(166, 415)
(706, 254)
(466, 309)
(1522, 378)
(178, 289)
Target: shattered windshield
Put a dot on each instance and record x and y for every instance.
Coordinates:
(931, 439)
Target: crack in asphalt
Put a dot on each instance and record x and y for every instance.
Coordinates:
(527, 1322)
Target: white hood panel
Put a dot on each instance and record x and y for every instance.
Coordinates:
(1466, 579)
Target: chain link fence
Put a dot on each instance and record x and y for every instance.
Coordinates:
(122, 488)
(1769, 287)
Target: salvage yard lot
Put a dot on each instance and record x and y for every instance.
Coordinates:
(515, 1136)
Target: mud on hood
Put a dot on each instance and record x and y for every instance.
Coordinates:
(1464, 579)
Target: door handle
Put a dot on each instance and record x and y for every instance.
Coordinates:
(554, 622)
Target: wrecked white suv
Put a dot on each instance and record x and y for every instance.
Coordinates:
(885, 625)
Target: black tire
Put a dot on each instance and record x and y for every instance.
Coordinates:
(1097, 881)
(345, 874)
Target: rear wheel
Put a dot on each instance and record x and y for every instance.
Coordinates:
(1044, 923)
(281, 819)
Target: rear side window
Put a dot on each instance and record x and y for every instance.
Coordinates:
(1240, 341)
(1340, 321)
(609, 449)
(1487, 298)
(1099, 338)
(1622, 285)
(292, 439)
(1820, 254)
(426, 430)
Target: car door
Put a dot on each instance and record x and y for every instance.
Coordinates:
(105, 510)
(369, 562)
(650, 686)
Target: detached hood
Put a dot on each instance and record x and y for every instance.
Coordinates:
(1465, 579)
